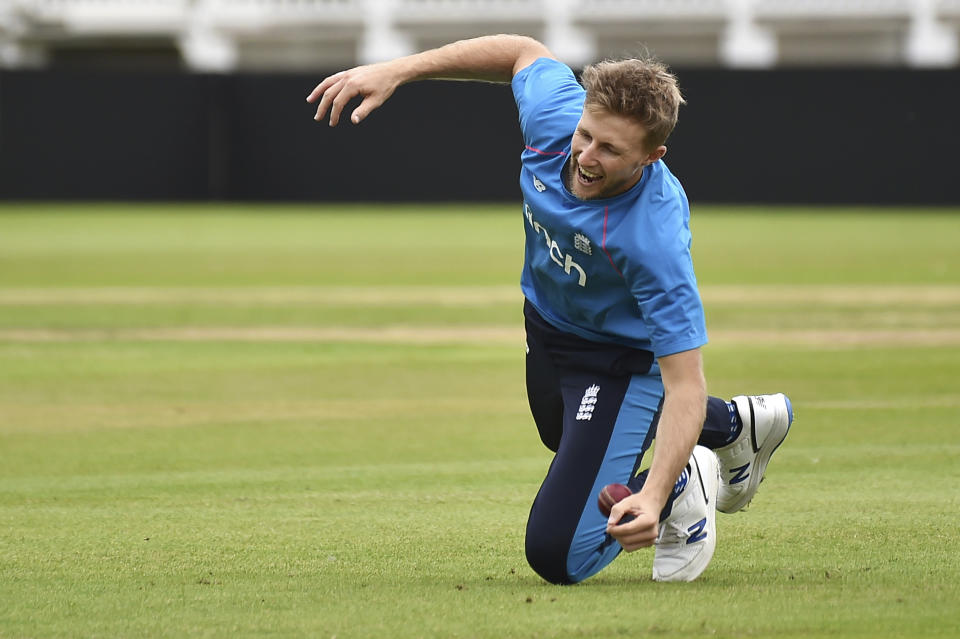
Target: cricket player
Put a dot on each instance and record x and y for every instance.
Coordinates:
(613, 316)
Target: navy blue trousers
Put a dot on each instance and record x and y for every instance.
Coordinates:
(597, 407)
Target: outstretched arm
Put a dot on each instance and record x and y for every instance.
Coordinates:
(493, 58)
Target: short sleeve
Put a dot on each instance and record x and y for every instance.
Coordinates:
(550, 101)
(664, 284)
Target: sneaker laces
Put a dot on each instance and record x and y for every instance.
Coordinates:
(672, 533)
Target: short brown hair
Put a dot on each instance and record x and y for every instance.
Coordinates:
(642, 89)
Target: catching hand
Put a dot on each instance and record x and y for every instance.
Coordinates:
(642, 530)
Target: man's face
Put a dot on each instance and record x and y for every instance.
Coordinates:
(607, 154)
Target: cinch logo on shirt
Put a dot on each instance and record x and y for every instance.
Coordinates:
(563, 261)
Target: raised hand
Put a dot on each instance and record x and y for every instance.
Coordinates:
(374, 82)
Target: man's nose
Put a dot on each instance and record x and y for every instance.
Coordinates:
(586, 155)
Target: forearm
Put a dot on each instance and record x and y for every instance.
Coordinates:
(681, 420)
(493, 58)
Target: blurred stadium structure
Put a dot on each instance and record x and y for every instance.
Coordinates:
(238, 35)
(789, 101)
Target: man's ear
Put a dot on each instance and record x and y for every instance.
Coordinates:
(655, 155)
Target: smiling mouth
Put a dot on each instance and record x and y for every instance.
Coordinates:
(586, 176)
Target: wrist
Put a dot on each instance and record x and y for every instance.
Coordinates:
(410, 68)
(654, 497)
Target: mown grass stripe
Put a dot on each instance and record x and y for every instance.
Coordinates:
(489, 334)
(844, 295)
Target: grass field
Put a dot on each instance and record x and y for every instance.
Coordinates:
(310, 422)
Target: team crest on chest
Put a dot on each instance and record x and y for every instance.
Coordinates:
(538, 185)
(582, 243)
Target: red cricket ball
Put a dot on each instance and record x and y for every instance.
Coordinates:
(611, 494)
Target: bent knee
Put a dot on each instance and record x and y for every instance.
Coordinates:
(548, 558)
(568, 559)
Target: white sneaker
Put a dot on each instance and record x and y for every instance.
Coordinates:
(688, 536)
(766, 420)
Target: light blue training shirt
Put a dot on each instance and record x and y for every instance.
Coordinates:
(613, 270)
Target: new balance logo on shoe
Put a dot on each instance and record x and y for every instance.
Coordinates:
(739, 474)
(588, 403)
(697, 532)
(682, 481)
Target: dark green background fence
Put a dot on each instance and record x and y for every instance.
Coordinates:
(843, 136)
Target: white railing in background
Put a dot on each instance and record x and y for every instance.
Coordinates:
(210, 32)
(831, 9)
(138, 15)
(654, 9)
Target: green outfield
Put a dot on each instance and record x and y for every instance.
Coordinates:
(310, 421)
